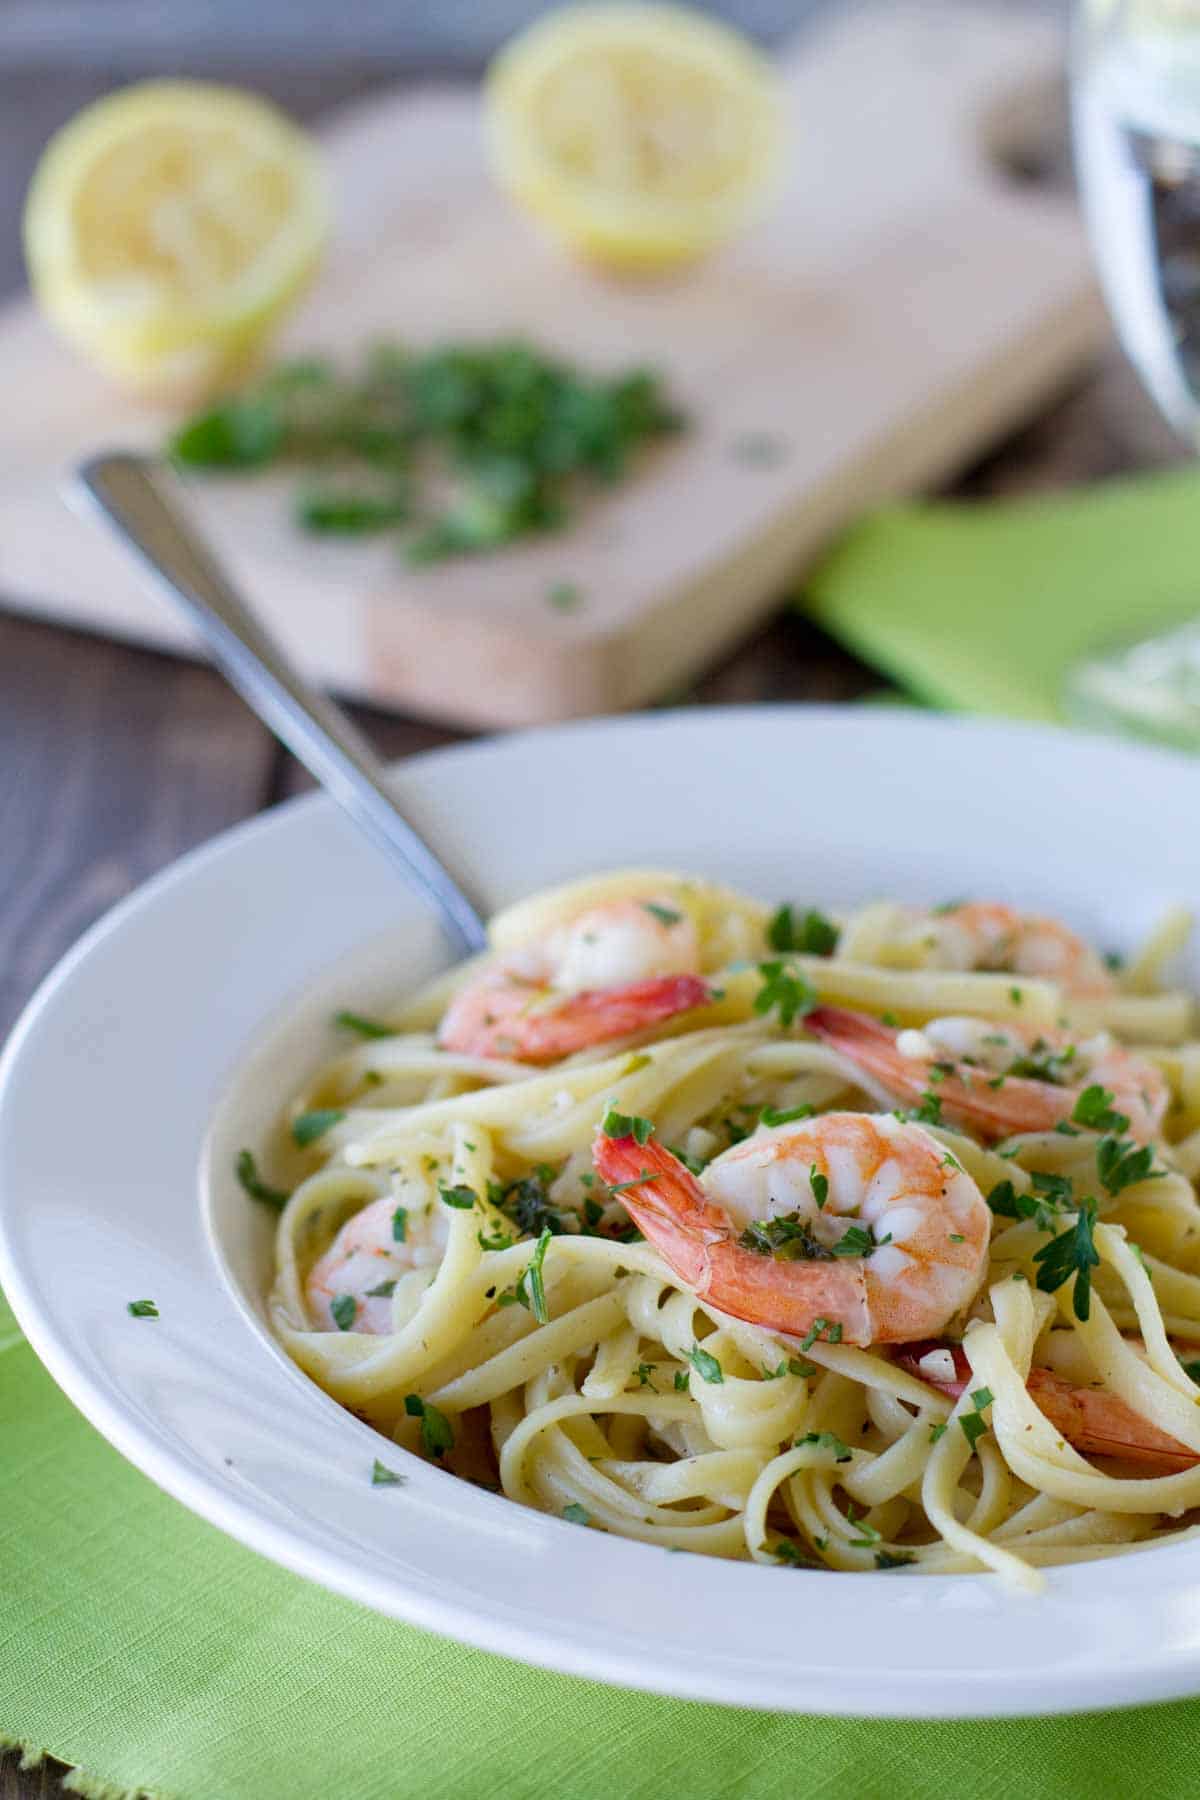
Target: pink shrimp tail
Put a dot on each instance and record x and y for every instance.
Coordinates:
(696, 1237)
(1014, 1104)
(1094, 1421)
(506, 1021)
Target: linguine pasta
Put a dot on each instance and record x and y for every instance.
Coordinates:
(525, 1334)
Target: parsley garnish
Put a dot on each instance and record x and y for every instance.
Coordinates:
(1120, 1163)
(666, 915)
(497, 1240)
(857, 1241)
(400, 1224)
(981, 1398)
(622, 1125)
(643, 1373)
(769, 1117)
(792, 1365)
(312, 1125)
(820, 1186)
(382, 1476)
(578, 1515)
(464, 1199)
(564, 596)
(255, 1186)
(705, 1365)
(384, 1291)
(974, 1427)
(681, 1380)
(436, 1434)
(792, 994)
(832, 1333)
(142, 1309)
(1072, 1253)
(344, 1310)
(826, 1440)
(937, 1431)
(893, 1559)
(530, 1290)
(812, 934)
(1094, 1108)
(367, 1028)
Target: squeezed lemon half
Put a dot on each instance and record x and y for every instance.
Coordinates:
(642, 134)
(168, 227)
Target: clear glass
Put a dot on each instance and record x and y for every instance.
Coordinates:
(1135, 107)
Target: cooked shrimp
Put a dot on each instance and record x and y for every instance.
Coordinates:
(993, 1080)
(889, 1229)
(615, 969)
(985, 934)
(366, 1256)
(1094, 1421)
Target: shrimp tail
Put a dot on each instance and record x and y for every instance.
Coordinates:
(1092, 1420)
(508, 1021)
(994, 1108)
(671, 1209)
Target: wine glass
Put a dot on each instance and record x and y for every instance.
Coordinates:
(1135, 106)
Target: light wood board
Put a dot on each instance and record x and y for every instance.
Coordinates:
(904, 303)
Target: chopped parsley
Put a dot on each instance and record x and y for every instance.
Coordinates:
(974, 1426)
(464, 1199)
(623, 1125)
(643, 1373)
(830, 1330)
(564, 596)
(497, 1240)
(344, 1311)
(366, 1028)
(400, 1225)
(666, 915)
(1120, 1163)
(1094, 1108)
(576, 1514)
(869, 1534)
(981, 1398)
(1072, 1253)
(705, 1365)
(530, 1290)
(893, 1559)
(820, 1186)
(937, 1432)
(856, 1240)
(384, 1291)
(788, 1238)
(312, 1125)
(791, 994)
(769, 1116)
(247, 1173)
(382, 1476)
(142, 1309)
(812, 933)
(436, 1434)
(682, 1380)
(826, 1440)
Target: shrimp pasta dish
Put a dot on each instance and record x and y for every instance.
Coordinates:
(857, 1242)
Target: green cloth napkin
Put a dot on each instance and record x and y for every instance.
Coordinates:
(983, 605)
(157, 1656)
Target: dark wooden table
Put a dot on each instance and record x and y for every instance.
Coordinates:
(116, 760)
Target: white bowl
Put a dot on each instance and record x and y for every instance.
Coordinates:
(110, 1083)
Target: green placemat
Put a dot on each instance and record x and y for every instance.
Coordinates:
(155, 1655)
(983, 605)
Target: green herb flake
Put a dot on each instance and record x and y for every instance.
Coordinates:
(400, 1225)
(666, 915)
(785, 991)
(1094, 1108)
(312, 1125)
(623, 1125)
(937, 1432)
(576, 1514)
(820, 1186)
(564, 596)
(682, 1379)
(436, 1434)
(826, 1440)
(770, 1117)
(382, 1476)
(366, 1028)
(811, 934)
(384, 1291)
(530, 1289)
(463, 1199)
(893, 1559)
(247, 1173)
(706, 1365)
(973, 1426)
(344, 1311)
(142, 1309)
(1072, 1254)
(832, 1333)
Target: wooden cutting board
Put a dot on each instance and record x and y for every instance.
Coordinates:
(905, 303)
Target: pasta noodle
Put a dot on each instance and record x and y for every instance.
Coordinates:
(453, 1267)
